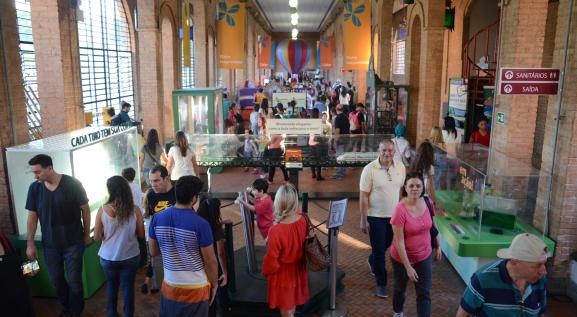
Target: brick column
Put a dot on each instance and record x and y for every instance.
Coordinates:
(12, 104)
(521, 45)
(57, 63)
(149, 67)
(200, 48)
(386, 26)
(563, 212)
(430, 80)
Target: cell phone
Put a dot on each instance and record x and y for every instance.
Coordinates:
(30, 268)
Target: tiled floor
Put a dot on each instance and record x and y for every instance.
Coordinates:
(354, 249)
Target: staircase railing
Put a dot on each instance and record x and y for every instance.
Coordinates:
(471, 68)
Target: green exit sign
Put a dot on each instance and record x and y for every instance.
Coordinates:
(501, 117)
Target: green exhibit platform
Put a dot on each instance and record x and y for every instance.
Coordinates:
(40, 286)
(467, 244)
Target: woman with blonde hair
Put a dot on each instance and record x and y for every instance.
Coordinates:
(181, 160)
(436, 136)
(284, 263)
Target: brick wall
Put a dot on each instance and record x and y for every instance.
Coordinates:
(57, 64)
(12, 105)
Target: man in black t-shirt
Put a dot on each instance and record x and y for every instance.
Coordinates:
(60, 203)
(158, 198)
(342, 127)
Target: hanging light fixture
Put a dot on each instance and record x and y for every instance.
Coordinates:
(294, 21)
(293, 3)
(294, 33)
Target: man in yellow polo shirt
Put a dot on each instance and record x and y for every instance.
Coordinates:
(380, 186)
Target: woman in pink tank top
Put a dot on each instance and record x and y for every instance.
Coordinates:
(411, 251)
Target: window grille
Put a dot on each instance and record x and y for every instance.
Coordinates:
(187, 72)
(105, 57)
(28, 65)
(399, 57)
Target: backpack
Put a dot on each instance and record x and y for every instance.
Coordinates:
(354, 120)
(116, 120)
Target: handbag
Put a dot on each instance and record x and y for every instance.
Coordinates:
(433, 231)
(316, 256)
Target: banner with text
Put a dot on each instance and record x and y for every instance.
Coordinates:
(231, 22)
(357, 34)
(327, 48)
(264, 51)
(294, 126)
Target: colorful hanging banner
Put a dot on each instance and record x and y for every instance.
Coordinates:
(357, 30)
(264, 51)
(327, 48)
(185, 32)
(231, 22)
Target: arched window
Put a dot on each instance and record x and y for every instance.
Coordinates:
(105, 57)
(28, 64)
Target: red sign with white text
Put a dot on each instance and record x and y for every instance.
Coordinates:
(529, 88)
(529, 81)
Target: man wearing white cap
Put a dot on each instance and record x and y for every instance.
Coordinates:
(514, 286)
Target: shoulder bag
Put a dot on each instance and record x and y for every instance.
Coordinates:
(433, 231)
(316, 256)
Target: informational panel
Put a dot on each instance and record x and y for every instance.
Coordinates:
(295, 126)
(458, 93)
(286, 97)
(337, 211)
(529, 81)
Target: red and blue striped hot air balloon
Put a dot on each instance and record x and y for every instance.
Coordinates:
(293, 55)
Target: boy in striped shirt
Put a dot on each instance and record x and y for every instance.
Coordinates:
(185, 241)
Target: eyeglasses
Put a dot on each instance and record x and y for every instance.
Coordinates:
(389, 176)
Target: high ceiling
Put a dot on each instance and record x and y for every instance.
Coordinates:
(311, 14)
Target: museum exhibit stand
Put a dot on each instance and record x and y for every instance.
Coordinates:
(488, 198)
(198, 110)
(91, 155)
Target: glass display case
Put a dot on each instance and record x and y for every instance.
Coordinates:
(488, 200)
(91, 155)
(198, 110)
(388, 107)
(226, 150)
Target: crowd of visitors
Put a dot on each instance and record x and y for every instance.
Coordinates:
(183, 249)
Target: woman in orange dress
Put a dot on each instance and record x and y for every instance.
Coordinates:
(284, 264)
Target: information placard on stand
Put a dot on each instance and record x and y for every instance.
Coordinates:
(337, 211)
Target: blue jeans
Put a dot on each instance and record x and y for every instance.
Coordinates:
(381, 237)
(422, 287)
(70, 294)
(123, 274)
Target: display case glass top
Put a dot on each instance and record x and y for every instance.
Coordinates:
(315, 151)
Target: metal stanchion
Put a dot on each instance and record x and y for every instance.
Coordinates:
(230, 256)
(248, 223)
(337, 211)
(334, 310)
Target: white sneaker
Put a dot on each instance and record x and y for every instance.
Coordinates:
(398, 315)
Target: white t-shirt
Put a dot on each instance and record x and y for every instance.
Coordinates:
(450, 138)
(402, 148)
(182, 165)
(136, 195)
(426, 179)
